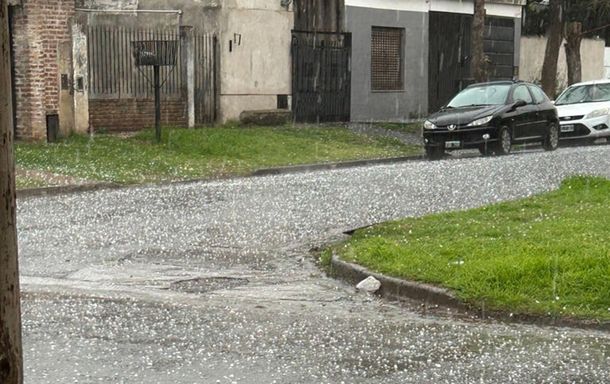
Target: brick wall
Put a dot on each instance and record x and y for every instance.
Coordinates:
(39, 27)
(134, 114)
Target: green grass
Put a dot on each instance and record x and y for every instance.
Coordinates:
(544, 255)
(200, 153)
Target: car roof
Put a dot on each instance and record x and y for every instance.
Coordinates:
(591, 82)
(500, 82)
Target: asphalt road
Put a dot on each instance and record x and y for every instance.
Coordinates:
(213, 282)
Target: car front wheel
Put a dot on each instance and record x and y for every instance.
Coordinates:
(504, 143)
(551, 141)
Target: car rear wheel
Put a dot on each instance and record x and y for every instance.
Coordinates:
(504, 143)
(551, 141)
(434, 153)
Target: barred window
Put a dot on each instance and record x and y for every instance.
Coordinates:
(386, 59)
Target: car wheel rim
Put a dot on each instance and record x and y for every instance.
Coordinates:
(505, 141)
(554, 139)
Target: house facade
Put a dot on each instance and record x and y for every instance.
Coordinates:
(410, 56)
(73, 68)
(337, 60)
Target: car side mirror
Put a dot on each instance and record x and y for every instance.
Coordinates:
(519, 104)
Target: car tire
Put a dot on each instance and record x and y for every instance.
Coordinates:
(504, 143)
(551, 140)
(434, 153)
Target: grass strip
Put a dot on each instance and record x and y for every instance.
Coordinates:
(546, 255)
(200, 153)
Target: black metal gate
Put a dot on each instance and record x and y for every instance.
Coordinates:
(206, 53)
(321, 76)
(449, 53)
(448, 62)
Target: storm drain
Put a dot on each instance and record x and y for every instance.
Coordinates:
(207, 284)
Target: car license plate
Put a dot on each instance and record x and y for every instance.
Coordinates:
(567, 128)
(453, 144)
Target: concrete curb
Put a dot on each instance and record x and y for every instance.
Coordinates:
(66, 189)
(396, 289)
(335, 165)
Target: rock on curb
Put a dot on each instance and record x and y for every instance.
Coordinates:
(396, 289)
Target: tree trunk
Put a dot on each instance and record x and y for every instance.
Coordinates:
(551, 54)
(11, 360)
(478, 63)
(572, 45)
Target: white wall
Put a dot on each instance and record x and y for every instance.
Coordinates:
(607, 62)
(257, 67)
(532, 57)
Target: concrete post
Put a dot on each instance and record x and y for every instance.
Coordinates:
(80, 77)
(11, 353)
(188, 68)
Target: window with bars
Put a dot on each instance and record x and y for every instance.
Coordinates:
(387, 59)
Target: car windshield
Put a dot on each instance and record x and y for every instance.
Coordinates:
(481, 95)
(584, 94)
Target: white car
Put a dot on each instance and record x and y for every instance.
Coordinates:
(584, 111)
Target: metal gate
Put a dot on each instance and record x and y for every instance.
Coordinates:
(113, 74)
(448, 63)
(206, 53)
(449, 53)
(321, 76)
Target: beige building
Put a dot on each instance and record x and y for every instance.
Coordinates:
(76, 69)
(255, 66)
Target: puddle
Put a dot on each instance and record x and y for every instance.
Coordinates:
(207, 284)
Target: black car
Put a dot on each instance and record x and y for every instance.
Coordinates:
(491, 117)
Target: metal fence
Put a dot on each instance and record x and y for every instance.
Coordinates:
(113, 73)
(321, 76)
(112, 70)
(206, 70)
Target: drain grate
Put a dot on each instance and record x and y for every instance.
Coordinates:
(207, 284)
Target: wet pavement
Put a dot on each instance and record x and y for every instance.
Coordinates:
(214, 283)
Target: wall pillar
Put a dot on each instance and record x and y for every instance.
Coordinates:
(188, 67)
(66, 92)
(80, 78)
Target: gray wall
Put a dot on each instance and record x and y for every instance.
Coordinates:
(412, 101)
(203, 15)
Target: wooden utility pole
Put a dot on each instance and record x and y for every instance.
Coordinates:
(573, 39)
(478, 62)
(11, 355)
(551, 54)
